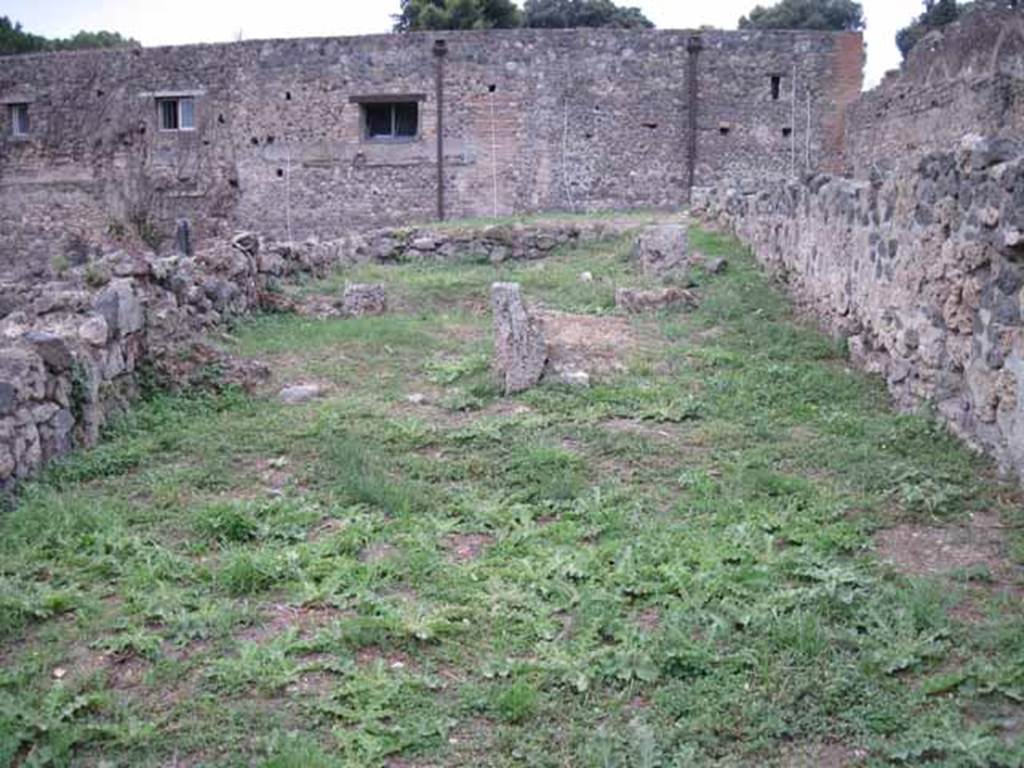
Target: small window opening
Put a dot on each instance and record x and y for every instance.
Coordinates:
(724, 129)
(176, 114)
(391, 121)
(776, 87)
(270, 139)
(220, 119)
(650, 126)
(254, 141)
(287, 95)
(492, 88)
(787, 131)
(19, 119)
(280, 172)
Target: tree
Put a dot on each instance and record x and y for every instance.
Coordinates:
(101, 39)
(456, 14)
(937, 14)
(567, 14)
(14, 40)
(837, 15)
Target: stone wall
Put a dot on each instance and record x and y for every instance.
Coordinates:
(967, 78)
(72, 349)
(534, 120)
(922, 272)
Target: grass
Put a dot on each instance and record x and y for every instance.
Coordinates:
(674, 567)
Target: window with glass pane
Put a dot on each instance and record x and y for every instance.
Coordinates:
(168, 114)
(177, 114)
(19, 119)
(397, 120)
(186, 113)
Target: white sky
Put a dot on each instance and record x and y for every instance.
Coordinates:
(168, 22)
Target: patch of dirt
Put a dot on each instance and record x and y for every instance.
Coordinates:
(646, 428)
(826, 755)
(280, 618)
(395, 660)
(591, 343)
(326, 527)
(274, 474)
(378, 553)
(464, 547)
(649, 620)
(931, 550)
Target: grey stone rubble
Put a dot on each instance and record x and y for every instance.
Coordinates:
(520, 349)
(71, 349)
(663, 250)
(639, 300)
(361, 299)
(297, 394)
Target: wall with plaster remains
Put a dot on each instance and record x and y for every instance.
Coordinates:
(533, 120)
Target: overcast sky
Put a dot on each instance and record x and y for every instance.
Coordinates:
(191, 21)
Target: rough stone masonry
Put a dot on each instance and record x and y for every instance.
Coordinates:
(919, 259)
(317, 137)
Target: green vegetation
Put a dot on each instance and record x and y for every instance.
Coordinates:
(837, 15)
(13, 40)
(416, 15)
(674, 567)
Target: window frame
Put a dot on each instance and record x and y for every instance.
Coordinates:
(392, 101)
(393, 137)
(15, 112)
(179, 113)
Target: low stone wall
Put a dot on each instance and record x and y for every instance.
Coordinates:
(72, 349)
(923, 272)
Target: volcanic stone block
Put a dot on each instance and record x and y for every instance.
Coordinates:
(519, 349)
(364, 299)
(662, 250)
(637, 300)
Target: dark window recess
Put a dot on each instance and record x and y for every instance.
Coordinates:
(724, 130)
(280, 172)
(650, 126)
(776, 87)
(787, 132)
(19, 119)
(492, 88)
(287, 95)
(398, 120)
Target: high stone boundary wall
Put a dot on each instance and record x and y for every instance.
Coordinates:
(533, 121)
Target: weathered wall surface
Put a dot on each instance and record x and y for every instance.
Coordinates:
(923, 272)
(968, 78)
(533, 121)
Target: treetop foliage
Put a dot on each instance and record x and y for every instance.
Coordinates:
(15, 40)
(825, 15)
(505, 14)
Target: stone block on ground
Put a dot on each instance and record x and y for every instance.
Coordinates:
(299, 393)
(364, 299)
(519, 348)
(662, 250)
(639, 300)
